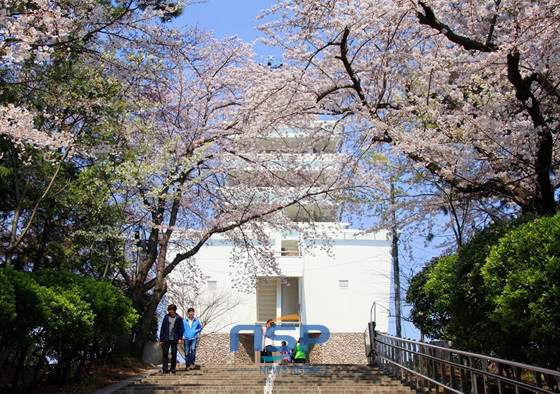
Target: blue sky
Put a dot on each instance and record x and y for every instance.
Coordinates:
(228, 18)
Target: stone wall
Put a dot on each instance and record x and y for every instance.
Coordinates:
(214, 349)
(341, 348)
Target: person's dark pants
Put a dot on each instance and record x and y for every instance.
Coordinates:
(267, 352)
(165, 347)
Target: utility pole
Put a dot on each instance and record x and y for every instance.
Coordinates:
(396, 269)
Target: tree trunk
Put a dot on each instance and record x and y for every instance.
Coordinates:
(145, 321)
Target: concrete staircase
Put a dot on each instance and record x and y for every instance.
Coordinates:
(269, 378)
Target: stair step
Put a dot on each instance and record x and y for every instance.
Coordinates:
(250, 378)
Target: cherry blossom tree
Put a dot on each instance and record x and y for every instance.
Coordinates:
(174, 123)
(204, 154)
(59, 98)
(467, 92)
(34, 34)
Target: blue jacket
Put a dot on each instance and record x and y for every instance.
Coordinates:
(178, 329)
(192, 332)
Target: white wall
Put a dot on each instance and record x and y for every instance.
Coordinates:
(364, 261)
(214, 261)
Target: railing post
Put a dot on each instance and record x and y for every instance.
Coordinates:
(400, 358)
(517, 377)
(451, 370)
(443, 367)
(474, 382)
(435, 364)
(538, 378)
(416, 367)
(397, 359)
(501, 386)
(392, 356)
(485, 378)
(407, 357)
(462, 374)
(423, 366)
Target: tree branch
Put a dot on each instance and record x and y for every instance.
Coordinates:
(429, 19)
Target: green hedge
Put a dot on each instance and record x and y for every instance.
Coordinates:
(61, 317)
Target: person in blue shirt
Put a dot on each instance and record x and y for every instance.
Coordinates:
(170, 335)
(192, 328)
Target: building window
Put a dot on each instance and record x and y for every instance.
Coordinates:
(212, 285)
(290, 247)
(276, 298)
(343, 285)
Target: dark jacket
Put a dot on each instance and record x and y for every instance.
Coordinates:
(178, 329)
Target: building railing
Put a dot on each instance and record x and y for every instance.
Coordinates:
(428, 367)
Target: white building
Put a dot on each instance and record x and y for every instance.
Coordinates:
(334, 287)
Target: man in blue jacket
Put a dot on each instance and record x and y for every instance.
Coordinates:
(192, 329)
(170, 335)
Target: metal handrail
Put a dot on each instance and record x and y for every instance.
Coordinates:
(428, 366)
(374, 309)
